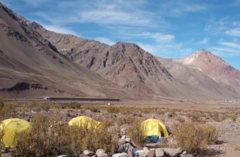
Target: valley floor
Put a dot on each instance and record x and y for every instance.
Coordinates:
(224, 116)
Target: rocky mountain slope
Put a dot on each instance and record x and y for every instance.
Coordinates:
(197, 80)
(31, 66)
(125, 64)
(214, 67)
(171, 77)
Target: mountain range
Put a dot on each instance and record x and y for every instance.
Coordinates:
(38, 62)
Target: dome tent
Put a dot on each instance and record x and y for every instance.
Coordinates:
(154, 127)
(84, 121)
(11, 126)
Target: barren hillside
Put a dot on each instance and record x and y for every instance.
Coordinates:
(31, 66)
(198, 80)
(214, 67)
(123, 63)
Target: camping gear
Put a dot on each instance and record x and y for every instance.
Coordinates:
(84, 121)
(156, 139)
(11, 126)
(154, 127)
(153, 138)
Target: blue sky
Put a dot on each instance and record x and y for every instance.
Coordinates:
(166, 28)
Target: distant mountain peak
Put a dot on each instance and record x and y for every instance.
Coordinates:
(201, 56)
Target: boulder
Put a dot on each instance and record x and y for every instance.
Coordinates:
(173, 152)
(124, 148)
(88, 153)
(187, 155)
(151, 153)
(120, 155)
(123, 131)
(130, 153)
(128, 140)
(121, 142)
(140, 153)
(123, 137)
(146, 150)
(101, 153)
(168, 114)
(159, 152)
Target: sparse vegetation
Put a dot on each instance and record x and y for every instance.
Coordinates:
(46, 139)
(113, 110)
(193, 136)
(126, 120)
(136, 133)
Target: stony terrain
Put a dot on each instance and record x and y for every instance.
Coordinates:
(226, 120)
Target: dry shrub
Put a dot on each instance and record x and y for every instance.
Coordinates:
(194, 116)
(113, 109)
(47, 139)
(93, 108)
(126, 120)
(74, 106)
(136, 133)
(147, 110)
(1, 103)
(180, 119)
(193, 137)
(237, 147)
(216, 117)
(7, 110)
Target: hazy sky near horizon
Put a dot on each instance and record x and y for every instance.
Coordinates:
(166, 28)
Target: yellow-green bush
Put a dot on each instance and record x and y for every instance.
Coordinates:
(48, 139)
(1, 103)
(194, 136)
(113, 110)
(126, 120)
(136, 133)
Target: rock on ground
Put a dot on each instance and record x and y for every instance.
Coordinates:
(172, 152)
(120, 155)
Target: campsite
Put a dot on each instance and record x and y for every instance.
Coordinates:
(118, 130)
(119, 78)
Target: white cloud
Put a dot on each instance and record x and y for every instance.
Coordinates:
(233, 32)
(115, 17)
(105, 12)
(179, 8)
(224, 51)
(35, 3)
(105, 40)
(232, 45)
(170, 50)
(157, 37)
(59, 29)
(162, 38)
(204, 41)
(217, 27)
